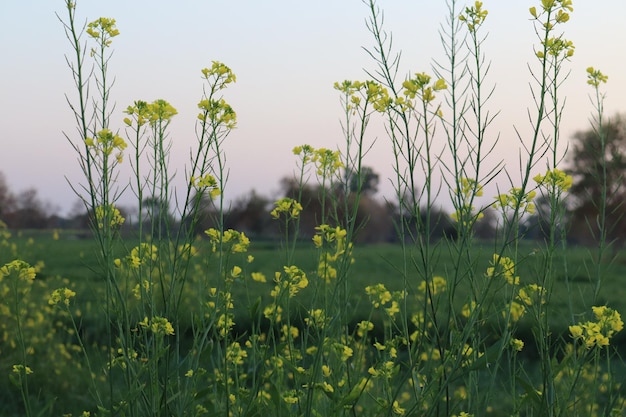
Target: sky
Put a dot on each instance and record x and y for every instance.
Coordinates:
(286, 54)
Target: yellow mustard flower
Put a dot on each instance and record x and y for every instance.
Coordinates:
(595, 77)
(474, 16)
(379, 295)
(287, 206)
(61, 295)
(157, 325)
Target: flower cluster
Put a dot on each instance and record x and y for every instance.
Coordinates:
(24, 271)
(161, 111)
(516, 199)
(380, 297)
(109, 215)
(326, 162)
(436, 286)
(317, 318)
(231, 241)
(466, 211)
(514, 311)
(595, 77)
(143, 289)
(4, 232)
(555, 12)
(204, 183)
(139, 111)
(139, 255)
(385, 370)
(145, 251)
(292, 281)
(468, 189)
(106, 142)
(158, 325)
(235, 354)
(552, 5)
(287, 206)
(474, 16)
(221, 306)
(549, 7)
(555, 179)
(468, 309)
(419, 86)
(502, 266)
(103, 29)
(305, 152)
(273, 312)
(517, 345)
(325, 234)
(61, 295)
(598, 333)
(556, 46)
(532, 294)
(351, 90)
(215, 111)
(22, 370)
(357, 92)
(364, 327)
(378, 96)
(527, 297)
(219, 74)
(332, 241)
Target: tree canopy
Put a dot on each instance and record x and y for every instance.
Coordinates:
(597, 162)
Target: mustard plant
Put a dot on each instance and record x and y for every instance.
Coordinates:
(463, 82)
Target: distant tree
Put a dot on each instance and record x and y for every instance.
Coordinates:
(309, 196)
(591, 168)
(249, 214)
(158, 217)
(486, 226)
(416, 221)
(369, 181)
(78, 216)
(373, 220)
(7, 199)
(29, 212)
(538, 225)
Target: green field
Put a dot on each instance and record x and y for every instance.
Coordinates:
(74, 260)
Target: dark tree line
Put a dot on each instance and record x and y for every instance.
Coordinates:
(376, 219)
(596, 160)
(24, 210)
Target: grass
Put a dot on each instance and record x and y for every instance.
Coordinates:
(76, 260)
(70, 261)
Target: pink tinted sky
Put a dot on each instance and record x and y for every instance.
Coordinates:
(287, 55)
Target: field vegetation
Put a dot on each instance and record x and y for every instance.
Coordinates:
(181, 315)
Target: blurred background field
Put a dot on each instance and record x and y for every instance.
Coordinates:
(69, 258)
(72, 259)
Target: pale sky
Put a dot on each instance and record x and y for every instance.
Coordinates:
(286, 54)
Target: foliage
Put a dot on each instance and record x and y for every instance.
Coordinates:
(6, 197)
(597, 162)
